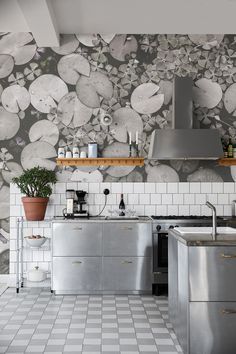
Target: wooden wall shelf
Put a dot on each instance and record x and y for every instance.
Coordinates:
(102, 161)
(227, 161)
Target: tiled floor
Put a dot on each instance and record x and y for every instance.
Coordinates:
(3, 287)
(35, 321)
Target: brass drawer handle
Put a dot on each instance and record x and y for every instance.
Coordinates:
(127, 262)
(228, 256)
(76, 262)
(228, 312)
(127, 228)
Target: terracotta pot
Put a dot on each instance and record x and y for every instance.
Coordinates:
(35, 208)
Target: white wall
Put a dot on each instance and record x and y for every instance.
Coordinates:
(145, 198)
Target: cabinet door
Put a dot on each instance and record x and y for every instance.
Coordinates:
(212, 273)
(127, 239)
(212, 327)
(76, 274)
(127, 273)
(77, 239)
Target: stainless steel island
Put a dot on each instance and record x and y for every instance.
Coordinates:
(92, 256)
(202, 292)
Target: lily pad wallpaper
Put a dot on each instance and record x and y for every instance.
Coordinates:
(51, 97)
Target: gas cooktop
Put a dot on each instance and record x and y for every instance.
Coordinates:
(184, 217)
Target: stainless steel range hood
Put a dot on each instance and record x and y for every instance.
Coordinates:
(182, 141)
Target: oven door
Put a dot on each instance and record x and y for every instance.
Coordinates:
(160, 257)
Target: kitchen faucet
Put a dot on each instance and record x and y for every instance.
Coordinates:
(214, 233)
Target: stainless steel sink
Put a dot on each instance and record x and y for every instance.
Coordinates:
(206, 230)
(121, 218)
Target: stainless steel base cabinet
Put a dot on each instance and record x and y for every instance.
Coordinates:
(127, 239)
(202, 297)
(76, 274)
(212, 327)
(212, 273)
(77, 239)
(122, 274)
(101, 257)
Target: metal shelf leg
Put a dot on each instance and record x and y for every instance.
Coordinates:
(21, 255)
(17, 255)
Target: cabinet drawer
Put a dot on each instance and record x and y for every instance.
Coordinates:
(76, 273)
(127, 239)
(212, 273)
(127, 273)
(212, 327)
(77, 239)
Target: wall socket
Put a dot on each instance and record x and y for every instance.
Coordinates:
(106, 191)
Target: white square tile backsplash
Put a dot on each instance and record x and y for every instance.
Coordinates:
(146, 198)
(195, 187)
(184, 187)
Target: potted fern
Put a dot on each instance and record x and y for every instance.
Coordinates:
(36, 184)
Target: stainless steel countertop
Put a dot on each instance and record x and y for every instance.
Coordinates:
(142, 219)
(228, 220)
(204, 239)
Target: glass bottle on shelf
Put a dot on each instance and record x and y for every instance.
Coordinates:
(225, 148)
(230, 148)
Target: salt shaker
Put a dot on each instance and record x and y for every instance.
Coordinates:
(68, 154)
(83, 154)
(75, 152)
(61, 153)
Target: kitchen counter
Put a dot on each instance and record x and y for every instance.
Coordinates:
(99, 255)
(102, 219)
(202, 291)
(204, 239)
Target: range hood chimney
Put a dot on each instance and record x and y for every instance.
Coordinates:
(182, 142)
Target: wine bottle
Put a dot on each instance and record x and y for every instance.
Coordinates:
(230, 148)
(122, 206)
(225, 148)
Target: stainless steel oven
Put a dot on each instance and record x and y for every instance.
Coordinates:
(161, 227)
(160, 253)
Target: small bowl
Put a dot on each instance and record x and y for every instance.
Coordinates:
(35, 242)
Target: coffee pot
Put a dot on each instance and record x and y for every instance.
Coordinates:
(70, 203)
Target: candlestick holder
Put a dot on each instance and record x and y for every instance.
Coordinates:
(136, 149)
(130, 150)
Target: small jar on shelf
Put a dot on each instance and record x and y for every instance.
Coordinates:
(234, 151)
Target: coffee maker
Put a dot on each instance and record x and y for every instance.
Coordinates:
(81, 201)
(75, 202)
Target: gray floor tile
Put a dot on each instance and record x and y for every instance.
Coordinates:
(16, 349)
(70, 348)
(110, 341)
(129, 348)
(111, 348)
(54, 348)
(35, 321)
(74, 341)
(35, 349)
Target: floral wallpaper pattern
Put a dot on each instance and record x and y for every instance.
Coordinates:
(51, 97)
